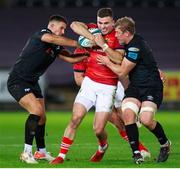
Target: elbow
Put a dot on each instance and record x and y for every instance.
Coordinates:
(73, 25)
(72, 61)
(121, 74)
(118, 71)
(78, 84)
(78, 81)
(118, 62)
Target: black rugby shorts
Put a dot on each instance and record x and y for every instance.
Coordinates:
(18, 88)
(153, 94)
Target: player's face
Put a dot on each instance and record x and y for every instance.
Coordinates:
(59, 28)
(106, 24)
(121, 36)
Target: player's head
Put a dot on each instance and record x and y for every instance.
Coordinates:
(57, 24)
(105, 20)
(125, 29)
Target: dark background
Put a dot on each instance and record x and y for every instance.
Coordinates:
(157, 20)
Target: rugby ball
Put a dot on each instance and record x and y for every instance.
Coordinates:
(84, 42)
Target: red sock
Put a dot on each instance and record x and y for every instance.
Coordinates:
(65, 145)
(141, 147)
(124, 135)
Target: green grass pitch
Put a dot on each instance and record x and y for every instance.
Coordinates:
(117, 156)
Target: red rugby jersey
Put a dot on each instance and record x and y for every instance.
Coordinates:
(98, 72)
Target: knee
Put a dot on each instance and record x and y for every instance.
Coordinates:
(38, 110)
(129, 117)
(129, 111)
(147, 116)
(146, 121)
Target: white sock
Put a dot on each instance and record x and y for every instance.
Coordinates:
(102, 149)
(136, 152)
(28, 148)
(166, 144)
(62, 155)
(42, 150)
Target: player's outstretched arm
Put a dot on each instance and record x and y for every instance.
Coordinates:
(81, 29)
(115, 55)
(59, 40)
(72, 58)
(121, 70)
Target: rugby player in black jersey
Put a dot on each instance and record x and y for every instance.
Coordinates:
(145, 91)
(41, 49)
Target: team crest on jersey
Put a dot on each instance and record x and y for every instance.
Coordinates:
(108, 41)
(133, 49)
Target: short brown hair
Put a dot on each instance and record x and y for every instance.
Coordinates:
(126, 24)
(58, 18)
(104, 12)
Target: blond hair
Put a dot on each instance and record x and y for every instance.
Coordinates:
(126, 24)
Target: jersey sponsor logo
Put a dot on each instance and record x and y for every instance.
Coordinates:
(133, 49)
(132, 55)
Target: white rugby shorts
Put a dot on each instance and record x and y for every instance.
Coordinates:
(96, 94)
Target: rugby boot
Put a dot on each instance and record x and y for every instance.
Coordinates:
(164, 152)
(57, 160)
(98, 156)
(138, 159)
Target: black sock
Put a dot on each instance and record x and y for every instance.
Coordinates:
(40, 133)
(159, 133)
(133, 136)
(30, 128)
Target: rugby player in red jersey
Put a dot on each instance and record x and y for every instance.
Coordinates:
(98, 86)
(116, 115)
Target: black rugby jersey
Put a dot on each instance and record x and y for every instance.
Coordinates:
(35, 57)
(145, 73)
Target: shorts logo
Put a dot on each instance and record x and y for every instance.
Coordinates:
(27, 89)
(150, 98)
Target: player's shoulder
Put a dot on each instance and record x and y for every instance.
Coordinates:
(137, 40)
(45, 30)
(38, 34)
